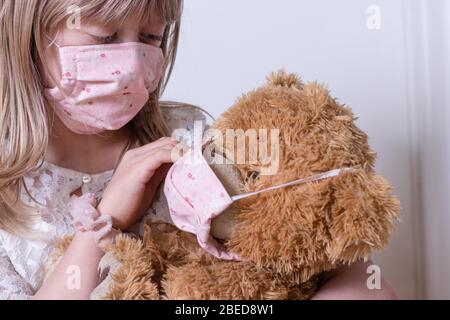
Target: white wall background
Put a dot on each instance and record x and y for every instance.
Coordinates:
(229, 47)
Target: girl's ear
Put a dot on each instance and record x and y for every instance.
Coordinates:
(362, 215)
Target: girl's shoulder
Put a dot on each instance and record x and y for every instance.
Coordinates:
(185, 116)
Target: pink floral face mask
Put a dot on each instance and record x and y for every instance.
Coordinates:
(195, 196)
(104, 87)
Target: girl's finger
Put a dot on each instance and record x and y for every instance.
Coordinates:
(177, 150)
(154, 145)
(148, 165)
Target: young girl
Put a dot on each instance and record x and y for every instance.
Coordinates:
(80, 115)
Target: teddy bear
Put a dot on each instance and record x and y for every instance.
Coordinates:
(284, 237)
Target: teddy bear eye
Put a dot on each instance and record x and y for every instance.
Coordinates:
(253, 175)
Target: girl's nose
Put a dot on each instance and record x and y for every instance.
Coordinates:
(129, 36)
(129, 32)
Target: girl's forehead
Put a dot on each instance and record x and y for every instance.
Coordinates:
(119, 11)
(118, 23)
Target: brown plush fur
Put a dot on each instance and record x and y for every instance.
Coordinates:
(286, 237)
(137, 277)
(181, 266)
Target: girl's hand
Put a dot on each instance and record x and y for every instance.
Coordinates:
(131, 190)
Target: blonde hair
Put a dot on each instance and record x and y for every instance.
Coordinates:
(24, 120)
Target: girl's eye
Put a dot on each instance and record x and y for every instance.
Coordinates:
(108, 39)
(153, 38)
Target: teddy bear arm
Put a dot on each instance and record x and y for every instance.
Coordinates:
(226, 280)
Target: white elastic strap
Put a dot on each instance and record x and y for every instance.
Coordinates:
(317, 177)
(52, 41)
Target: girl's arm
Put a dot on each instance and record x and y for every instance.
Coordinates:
(76, 275)
(350, 283)
(126, 199)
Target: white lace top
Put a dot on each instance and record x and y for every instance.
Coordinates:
(22, 261)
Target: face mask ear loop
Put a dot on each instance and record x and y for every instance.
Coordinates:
(52, 41)
(207, 143)
(318, 177)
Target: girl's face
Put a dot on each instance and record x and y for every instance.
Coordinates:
(91, 33)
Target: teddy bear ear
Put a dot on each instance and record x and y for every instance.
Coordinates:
(283, 79)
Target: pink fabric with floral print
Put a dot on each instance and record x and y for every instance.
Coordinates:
(103, 87)
(196, 196)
